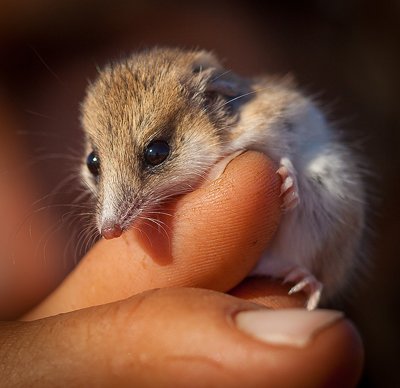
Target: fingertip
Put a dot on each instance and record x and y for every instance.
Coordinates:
(223, 227)
(347, 354)
(316, 349)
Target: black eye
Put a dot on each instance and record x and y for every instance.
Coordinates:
(93, 164)
(156, 152)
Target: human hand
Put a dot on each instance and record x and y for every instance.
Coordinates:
(184, 336)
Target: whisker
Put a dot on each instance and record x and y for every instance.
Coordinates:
(49, 68)
(31, 112)
(46, 241)
(91, 239)
(241, 96)
(221, 75)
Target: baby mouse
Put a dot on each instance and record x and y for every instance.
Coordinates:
(157, 122)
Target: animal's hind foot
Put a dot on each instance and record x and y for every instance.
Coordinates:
(304, 281)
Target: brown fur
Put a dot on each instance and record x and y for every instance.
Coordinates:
(128, 106)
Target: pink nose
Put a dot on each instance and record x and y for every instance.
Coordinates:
(109, 232)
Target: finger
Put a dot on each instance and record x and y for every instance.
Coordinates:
(215, 236)
(183, 337)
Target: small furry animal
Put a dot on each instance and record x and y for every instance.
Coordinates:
(158, 121)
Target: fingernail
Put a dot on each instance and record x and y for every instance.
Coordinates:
(220, 167)
(286, 327)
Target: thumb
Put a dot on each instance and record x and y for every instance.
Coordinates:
(182, 337)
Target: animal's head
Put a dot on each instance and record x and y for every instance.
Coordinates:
(154, 123)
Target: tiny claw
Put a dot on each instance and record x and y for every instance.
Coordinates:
(302, 284)
(289, 190)
(304, 281)
(286, 185)
(313, 299)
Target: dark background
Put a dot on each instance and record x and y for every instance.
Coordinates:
(347, 53)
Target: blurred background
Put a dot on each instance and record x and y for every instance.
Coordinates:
(345, 52)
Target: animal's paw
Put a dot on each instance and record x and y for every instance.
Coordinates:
(289, 191)
(304, 281)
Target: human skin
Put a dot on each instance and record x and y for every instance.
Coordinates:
(132, 317)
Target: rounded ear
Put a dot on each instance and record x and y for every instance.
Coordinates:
(226, 84)
(203, 61)
(219, 80)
